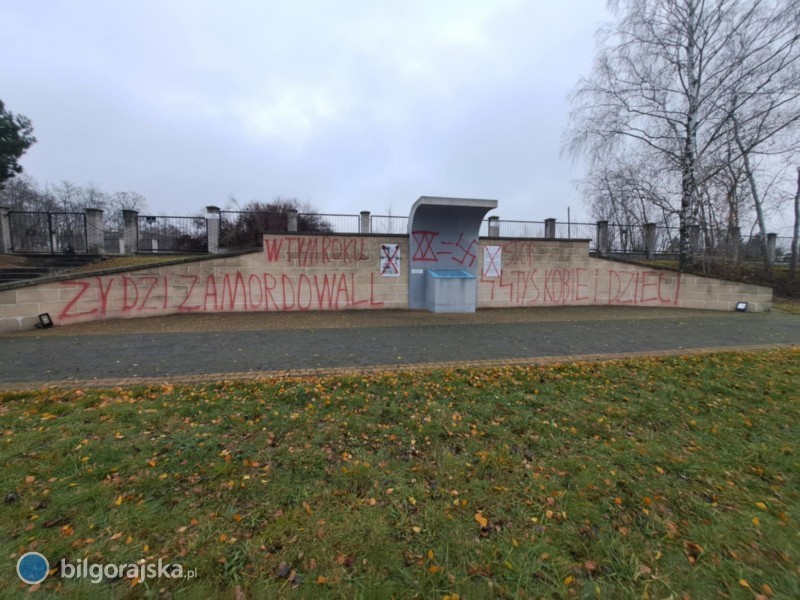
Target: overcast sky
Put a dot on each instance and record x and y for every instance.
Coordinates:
(349, 105)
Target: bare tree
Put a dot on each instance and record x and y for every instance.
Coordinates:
(796, 230)
(23, 193)
(257, 218)
(119, 201)
(672, 77)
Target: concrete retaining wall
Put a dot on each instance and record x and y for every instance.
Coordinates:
(342, 272)
(561, 272)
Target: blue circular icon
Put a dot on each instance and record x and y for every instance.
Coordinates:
(32, 568)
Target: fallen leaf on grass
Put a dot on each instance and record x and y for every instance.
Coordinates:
(693, 551)
(433, 569)
(284, 569)
(481, 520)
(346, 560)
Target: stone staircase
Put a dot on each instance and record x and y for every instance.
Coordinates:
(33, 266)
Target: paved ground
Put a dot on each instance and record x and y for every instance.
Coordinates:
(204, 347)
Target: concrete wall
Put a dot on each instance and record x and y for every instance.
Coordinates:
(561, 272)
(291, 273)
(342, 272)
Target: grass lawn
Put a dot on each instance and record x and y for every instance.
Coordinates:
(669, 477)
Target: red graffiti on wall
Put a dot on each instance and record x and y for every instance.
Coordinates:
(311, 251)
(461, 253)
(584, 286)
(229, 292)
(424, 242)
(518, 253)
(426, 248)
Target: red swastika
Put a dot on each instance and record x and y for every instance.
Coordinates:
(466, 253)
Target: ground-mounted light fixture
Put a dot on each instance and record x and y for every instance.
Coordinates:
(45, 322)
(741, 306)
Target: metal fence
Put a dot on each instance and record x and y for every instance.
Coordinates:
(47, 232)
(328, 223)
(577, 231)
(240, 229)
(624, 238)
(388, 224)
(522, 229)
(172, 234)
(783, 248)
(64, 232)
(114, 242)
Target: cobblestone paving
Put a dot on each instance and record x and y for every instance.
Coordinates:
(202, 347)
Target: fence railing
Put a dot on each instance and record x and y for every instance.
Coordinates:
(47, 232)
(328, 223)
(524, 229)
(114, 242)
(54, 232)
(388, 224)
(241, 229)
(172, 234)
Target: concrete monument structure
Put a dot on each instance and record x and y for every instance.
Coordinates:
(439, 265)
(443, 252)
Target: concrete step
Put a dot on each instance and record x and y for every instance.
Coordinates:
(40, 265)
(60, 261)
(21, 274)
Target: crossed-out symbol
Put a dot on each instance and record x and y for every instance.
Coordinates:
(493, 268)
(424, 240)
(391, 264)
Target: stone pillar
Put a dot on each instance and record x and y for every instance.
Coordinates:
(734, 241)
(772, 247)
(212, 228)
(694, 238)
(550, 229)
(602, 237)
(291, 220)
(365, 224)
(5, 231)
(130, 230)
(650, 240)
(494, 227)
(95, 231)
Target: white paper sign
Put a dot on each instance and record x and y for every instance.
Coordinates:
(390, 260)
(492, 261)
